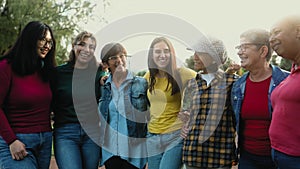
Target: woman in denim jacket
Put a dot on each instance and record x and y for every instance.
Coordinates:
(123, 112)
(251, 99)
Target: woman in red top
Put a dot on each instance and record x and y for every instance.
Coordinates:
(25, 97)
(284, 129)
(251, 99)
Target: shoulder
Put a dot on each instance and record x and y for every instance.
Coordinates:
(140, 83)
(186, 74)
(64, 67)
(241, 79)
(233, 78)
(5, 67)
(186, 71)
(138, 79)
(278, 70)
(278, 74)
(4, 64)
(147, 74)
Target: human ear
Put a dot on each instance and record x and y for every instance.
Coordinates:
(264, 50)
(298, 32)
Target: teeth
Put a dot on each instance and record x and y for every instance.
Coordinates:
(84, 55)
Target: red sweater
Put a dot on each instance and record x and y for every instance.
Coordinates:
(27, 103)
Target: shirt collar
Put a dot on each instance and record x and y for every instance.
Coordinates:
(128, 77)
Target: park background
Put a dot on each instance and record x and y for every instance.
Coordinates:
(224, 19)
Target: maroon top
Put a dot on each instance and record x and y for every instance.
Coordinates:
(284, 130)
(256, 118)
(27, 104)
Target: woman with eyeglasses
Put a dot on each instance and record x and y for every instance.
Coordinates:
(75, 88)
(123, 110)
(251, 99)
(25, 99)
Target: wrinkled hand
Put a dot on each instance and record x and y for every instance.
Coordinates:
(102, 167)
(184, 130)
(184, 116)
(233, 68)
(17, 150)
(103, 79)
(234, 163)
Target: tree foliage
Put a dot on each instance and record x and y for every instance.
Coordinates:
(62, 16)
(141, 73)
(190, 62)
(273, 60)
(283, 64)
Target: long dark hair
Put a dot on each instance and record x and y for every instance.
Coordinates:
(171, 69)
(23, 54)
(80, 37)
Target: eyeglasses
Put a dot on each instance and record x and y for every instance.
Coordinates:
(117, 57)
(83, 45)
(43, 42)
(243, 47)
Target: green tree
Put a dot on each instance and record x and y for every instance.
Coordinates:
(285, 64)
(141, 73)
(273, 60)
(228, 62)
(62, 16)
(190, 62)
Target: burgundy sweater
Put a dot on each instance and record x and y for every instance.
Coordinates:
(27, 103)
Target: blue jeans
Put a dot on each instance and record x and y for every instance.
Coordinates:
(252, 161)
(74, 149)
(164, 150)
(284, 161)
(38, 146)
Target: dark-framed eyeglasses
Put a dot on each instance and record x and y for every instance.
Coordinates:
(44, 42)
(243, 47)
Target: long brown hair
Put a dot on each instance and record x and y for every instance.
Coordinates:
(171, 69)
(80, 37)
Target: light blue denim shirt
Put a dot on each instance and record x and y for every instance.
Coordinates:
(117, 139)
(238, 91)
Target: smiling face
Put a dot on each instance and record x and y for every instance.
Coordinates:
(117, 63)
(161, 55)
(249, 53)
(44, 45)
(84, 51)
(283, 39)
(204, 62)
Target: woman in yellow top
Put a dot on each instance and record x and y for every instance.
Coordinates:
(166, 82)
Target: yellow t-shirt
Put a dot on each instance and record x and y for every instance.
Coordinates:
(164, 107)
